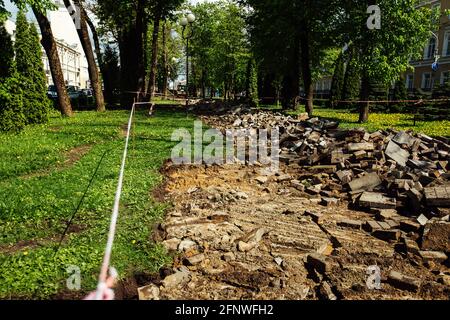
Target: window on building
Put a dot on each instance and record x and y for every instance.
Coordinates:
(445, 77)
(446, 49)
(409, 81)
(430, 49)
(426, 81)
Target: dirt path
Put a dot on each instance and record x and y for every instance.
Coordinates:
(236, 237)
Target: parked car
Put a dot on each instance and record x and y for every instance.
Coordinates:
(52, 93)
(87, 93)
(73, 92)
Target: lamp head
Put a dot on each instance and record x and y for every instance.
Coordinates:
(184, 22)
(190, 17)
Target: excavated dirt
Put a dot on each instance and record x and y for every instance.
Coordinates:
(243, 239)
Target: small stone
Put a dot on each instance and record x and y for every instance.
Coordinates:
(387, 235)
(403, 282)
(330, 202)
(278, 261)
(195, 260)
(245, 247)
(326, 292)
(409, 226)
(435, 256)
(262, 180)
(228, 257)
(172, 244)
(186, 245)
(316, 217)
(422, 220)
(176, 279)
(353, 224)
(150, 292)
(284, 177)
(318, 262)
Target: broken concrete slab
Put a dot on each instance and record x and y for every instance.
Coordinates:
(363, 146)
(148, 293)
(438, 196)
(318, 262)
(435, 256)
(403, 282)
(387, 235)
(396, 153)
(348, 223)
(376, 200)
(367, 182)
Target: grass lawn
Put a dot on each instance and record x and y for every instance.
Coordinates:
(44, 172)
(378, 121)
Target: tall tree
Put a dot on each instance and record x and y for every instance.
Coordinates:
(51, 48)
(6, 52)
(385, 53)
(338, 81)
(30, 67)
(81, 26)
(161, 10)
(111, 74)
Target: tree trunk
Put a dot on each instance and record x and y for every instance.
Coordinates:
(91, 25)
(165, 60)
(85, 40)
(306, 70)
(98, 52)
(51, 49)
(364, 106)
(141, 32)
(154, 62)
(128, 65)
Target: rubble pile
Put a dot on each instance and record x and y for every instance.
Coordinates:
(399, 176)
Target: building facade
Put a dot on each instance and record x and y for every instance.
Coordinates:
(73, 61)
(423, 78)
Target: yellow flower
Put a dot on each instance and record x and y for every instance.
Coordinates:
(133, 242)
(25, 253)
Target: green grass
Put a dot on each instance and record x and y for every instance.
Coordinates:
(35, 209)
(399, 121)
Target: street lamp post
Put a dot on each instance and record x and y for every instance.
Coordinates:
(185, 21)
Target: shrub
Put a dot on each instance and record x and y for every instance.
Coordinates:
(11, 104)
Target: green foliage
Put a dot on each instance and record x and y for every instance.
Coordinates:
(219, 47)
(6, 52)
(337, 84)
(400, 93)
(111, 73)
(29, 65)
(11, 104)
(352, 80)
(384, 54)
(40, 192)
(252, 85)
